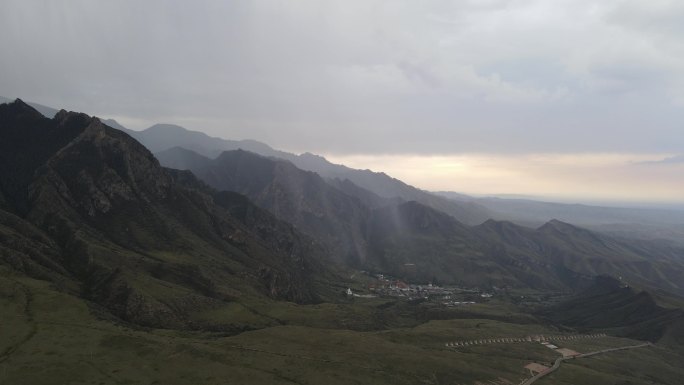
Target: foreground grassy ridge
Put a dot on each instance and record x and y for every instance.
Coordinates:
(64, 343)
(48, 337)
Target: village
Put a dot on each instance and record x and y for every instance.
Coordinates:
(387, 286)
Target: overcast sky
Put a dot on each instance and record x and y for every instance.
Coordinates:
(575, 98)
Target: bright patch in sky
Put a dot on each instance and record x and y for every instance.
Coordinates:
(623, 177)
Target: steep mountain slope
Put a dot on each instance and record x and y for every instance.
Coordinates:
(91, 209)
(368, 197)
(300, 197)
(183, 159)
(414, 240)
(422, 244)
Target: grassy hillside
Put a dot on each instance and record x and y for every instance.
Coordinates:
(636, 366)
(58, 338)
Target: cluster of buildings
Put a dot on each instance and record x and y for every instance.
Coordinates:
(457, 303)
(387, 286)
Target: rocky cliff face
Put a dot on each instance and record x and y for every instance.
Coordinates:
(148, 245)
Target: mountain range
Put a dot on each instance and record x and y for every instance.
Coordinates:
(642, 223)
(415, 241)
(163, 137)
(86, 184)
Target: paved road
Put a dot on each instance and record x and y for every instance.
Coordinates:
(557, 364)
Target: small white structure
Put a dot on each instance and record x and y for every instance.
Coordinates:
(349, 292)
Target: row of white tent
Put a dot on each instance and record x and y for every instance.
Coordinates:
(536, 338)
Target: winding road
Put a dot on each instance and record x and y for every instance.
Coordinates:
(557, 364)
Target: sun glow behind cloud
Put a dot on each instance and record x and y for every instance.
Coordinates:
(621, 177)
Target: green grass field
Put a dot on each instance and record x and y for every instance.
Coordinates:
(649, 365)
(48, 337)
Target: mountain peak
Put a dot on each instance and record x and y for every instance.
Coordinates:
(565, 229)
(493, 223)
(240, 153)
(65, 117)
(168, 128)
(114, 124)
(311, 156)
(501, 226)
(508, 232)
(27, 138)
(20, 108)
(555, 224)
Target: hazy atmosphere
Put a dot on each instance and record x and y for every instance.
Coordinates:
(386, 192)
(568, 99)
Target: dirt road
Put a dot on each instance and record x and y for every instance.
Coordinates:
(557, 364)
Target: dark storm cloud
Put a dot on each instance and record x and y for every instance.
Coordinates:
(366, 76)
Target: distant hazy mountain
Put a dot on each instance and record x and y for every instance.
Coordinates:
(624, 222)
(90, 209)
(162, 137)
(412, 238)
(114, 124)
